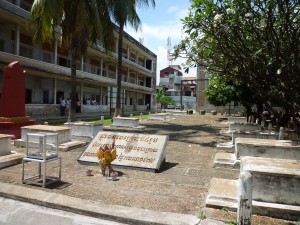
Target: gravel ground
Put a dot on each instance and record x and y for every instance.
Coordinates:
(180, 186)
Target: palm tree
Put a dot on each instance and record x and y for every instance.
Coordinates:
(81, 22)
(123, 12)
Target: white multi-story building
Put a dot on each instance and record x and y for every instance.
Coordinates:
(48, 68)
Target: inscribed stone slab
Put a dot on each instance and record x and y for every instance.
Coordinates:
(133, 149)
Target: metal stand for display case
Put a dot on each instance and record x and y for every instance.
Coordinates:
(46, 180)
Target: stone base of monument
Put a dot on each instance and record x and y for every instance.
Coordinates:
(12, 125)
(160, 116)
(8, 157)
(280, 149)
(229, 146)
(85, 131)
(226, 159)
(242, 127)
(275, 188)
(235, 120)
(177, 112)
(64, 136)
(126, 122)
(12, 159)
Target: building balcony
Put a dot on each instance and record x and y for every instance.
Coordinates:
(7, 8)
(36, 67)
(129, 63)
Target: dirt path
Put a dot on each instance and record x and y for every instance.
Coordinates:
(181, 186)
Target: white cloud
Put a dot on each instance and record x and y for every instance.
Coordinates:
(155, 37)
(157, 33)
(172, 9)
(182, 13)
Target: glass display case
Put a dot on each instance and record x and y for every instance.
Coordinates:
(42, 145)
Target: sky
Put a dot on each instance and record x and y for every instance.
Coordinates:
(158, 24)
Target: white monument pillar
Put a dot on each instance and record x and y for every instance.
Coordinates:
(281, 133)
(244, 209)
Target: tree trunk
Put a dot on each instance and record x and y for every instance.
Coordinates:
(73, 85)
(118, 111)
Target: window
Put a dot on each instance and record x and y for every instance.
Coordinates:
(2, 45)
(140, 101)
(47, 57)
(25, 52)
(28, 96)
(46, 96)
(98, 71)
(63, 62)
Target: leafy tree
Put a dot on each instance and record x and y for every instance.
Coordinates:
(167, 100)
(164, 99)
(82, 22)
(219, 93)
(255, 43)
(124, 12)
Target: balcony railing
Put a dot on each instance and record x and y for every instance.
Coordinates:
(36, 65)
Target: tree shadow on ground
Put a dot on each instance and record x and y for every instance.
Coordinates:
(166, 166)
(59, 185)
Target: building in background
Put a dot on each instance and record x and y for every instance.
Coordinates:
(179, 87)
(48, 69)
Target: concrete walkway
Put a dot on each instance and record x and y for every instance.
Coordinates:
(122, 214)
(15, 212)
(117, 213)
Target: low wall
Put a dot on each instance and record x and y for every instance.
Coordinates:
(5, 144)
(274, 180)
(64, 133)
(244, 126)
(237, 119)
(280, 149)
(87, 129)
(253, 134)
(159, 116)
(125, 122)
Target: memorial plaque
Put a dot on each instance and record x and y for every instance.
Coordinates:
(133, 149)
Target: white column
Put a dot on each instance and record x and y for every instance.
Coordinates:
(244, 209)
(128, 74)
(81, 91)
(137, 57)
(101, 67)
(81, 63)
(136, 78)
(17, 43)
(128, 52)
(55, 53)
(101, 95)
(117, 45)
(116, 71)
(55, 87)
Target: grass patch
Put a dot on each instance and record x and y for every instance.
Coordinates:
(107, 121)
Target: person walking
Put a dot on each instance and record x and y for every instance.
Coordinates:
(63, 105)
